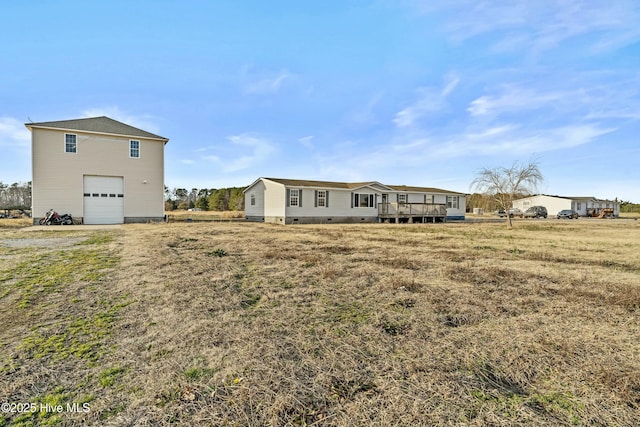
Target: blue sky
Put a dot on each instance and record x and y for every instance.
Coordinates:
(408, 92)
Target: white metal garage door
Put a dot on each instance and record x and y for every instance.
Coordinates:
(103, 199)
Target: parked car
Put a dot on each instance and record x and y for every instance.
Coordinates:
(536, 212)
(568, 213)
(515, 212)
(512, 212)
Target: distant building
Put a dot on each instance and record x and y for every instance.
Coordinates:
(585, 206)
(291, 201)
(99, 170)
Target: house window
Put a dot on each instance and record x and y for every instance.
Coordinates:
(452, 202)
(134, 149)
(253, 199)
(294, 197)
(402, 198)
(321, 199)
(70, 143)
(361, 200)
(578, 206)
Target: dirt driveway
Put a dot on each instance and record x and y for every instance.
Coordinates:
(72, 227)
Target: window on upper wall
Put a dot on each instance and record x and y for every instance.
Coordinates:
(452, 202)
(70, 143)
(402, 198)
(253, 199)
(134, 149)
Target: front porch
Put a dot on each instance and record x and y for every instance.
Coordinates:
(412, 212)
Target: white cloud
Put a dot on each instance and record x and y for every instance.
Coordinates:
(540, 25)
(514, 98)
(306, 141)
(515, 140)
(266, 85)
(13, 133)
(453, 81)
(432, 100)
(244, 152)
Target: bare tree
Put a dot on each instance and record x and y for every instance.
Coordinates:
(505, 184)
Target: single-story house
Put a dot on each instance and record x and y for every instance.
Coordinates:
(585, 206)
(99, 170)
(290, 201)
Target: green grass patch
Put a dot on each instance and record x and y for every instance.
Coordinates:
(98, 239)
(109, 376)
(51, 272)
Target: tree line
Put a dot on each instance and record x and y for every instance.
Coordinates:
(221, 199)
(15, 196)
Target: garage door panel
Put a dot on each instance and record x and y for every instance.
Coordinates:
(103, 200)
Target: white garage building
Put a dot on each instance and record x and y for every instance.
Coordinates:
(99, 170)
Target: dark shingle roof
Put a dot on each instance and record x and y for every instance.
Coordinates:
(352, 185)
(321, 184)
(101, 124)
(408, 188)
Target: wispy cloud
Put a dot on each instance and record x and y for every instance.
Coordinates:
(540, 25)
(432, 100)
(306, 141)
(517, 141)
(365, 115)
(13, 133)
(264, 84)
(244, 152)
(515, 98)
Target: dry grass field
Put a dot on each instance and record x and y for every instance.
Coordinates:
(189, 324)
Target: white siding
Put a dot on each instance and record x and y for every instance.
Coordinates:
(58, 176)
(553, 204)
(339, 204)
(257, 190)
(274, 199)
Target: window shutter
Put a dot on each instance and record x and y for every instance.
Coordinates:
(288, 197)
(326, 199)
(371, 196)
(300, 197)
(354, 200)
(315, 199)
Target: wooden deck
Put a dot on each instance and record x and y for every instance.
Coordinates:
(412, 212)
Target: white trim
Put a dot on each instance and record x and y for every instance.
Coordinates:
(139, 153)
(65, 143)
(120, 135)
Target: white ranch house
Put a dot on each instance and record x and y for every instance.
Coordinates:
(99, 170)
(292, 201)
(585, 206)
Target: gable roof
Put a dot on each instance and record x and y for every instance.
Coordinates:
(407, 188)
(103, 124)
(322, 184)
(353, 185)
(577, 198)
